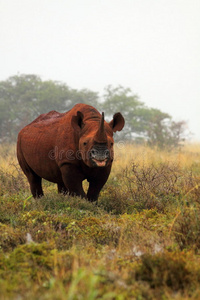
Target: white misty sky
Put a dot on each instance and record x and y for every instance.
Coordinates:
(151, 46)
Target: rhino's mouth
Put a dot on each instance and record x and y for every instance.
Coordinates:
(99, 156)
(100, 163)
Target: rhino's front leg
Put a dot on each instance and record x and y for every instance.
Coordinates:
(97, 182)
(72, 178)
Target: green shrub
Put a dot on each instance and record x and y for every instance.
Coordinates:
(186, 228)
(176, 270)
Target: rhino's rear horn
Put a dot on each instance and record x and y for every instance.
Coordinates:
(101, 136)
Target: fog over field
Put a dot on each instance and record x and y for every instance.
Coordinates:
(150, 46)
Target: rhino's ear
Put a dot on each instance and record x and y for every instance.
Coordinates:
(117, 122)
(77, 121)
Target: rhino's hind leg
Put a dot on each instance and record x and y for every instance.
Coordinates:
(36, 185)
(34, 180)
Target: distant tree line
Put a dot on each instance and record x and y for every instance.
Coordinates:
(24, 97)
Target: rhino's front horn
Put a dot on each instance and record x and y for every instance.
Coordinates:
(100, 136)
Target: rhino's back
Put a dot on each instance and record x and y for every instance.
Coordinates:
(51, 133)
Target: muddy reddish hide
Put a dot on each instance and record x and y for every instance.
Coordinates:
(67, 148)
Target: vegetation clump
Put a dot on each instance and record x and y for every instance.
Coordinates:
(176, 270)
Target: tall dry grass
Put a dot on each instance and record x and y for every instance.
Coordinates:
(126, 153)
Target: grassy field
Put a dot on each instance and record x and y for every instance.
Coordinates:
(141, 241)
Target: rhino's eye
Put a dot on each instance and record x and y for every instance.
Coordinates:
(84, 143)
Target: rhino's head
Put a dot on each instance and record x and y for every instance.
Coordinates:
(96, 138)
